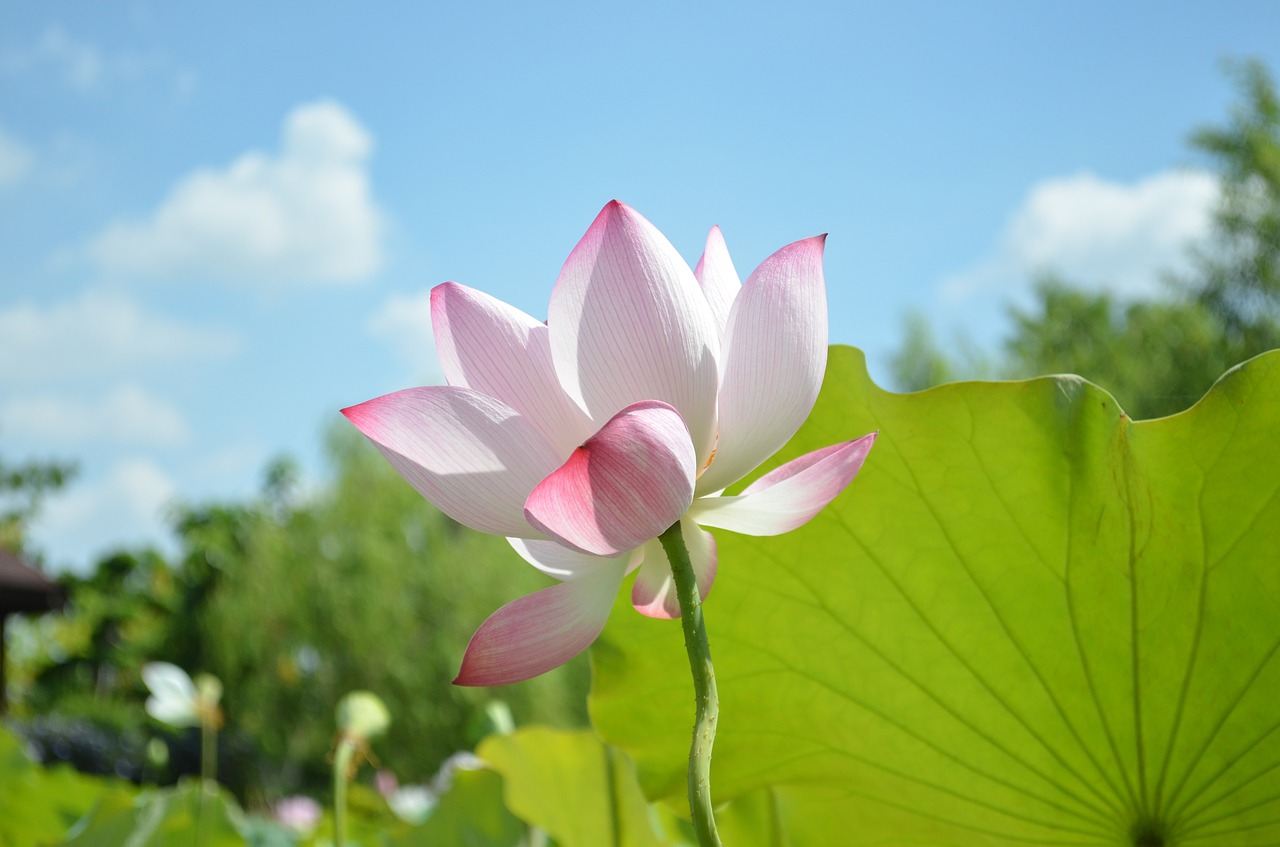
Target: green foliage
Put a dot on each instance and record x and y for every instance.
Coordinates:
(1029, 620)
(921, 362)
(471, 814)
(120, 616)
(363, 586)
(23, 488)
(189, 814)
(292, 602)
(1240, 274)
(584, 793)
(579, 791)
(1158, 357)
(38, 805)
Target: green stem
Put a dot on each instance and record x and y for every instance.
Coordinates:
(704, 686)
(341, 765)
(208, 773)
(208, 754)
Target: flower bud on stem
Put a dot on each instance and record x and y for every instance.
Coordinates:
(704, 686)
(361, 716)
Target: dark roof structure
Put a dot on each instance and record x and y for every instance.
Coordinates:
(25, 589)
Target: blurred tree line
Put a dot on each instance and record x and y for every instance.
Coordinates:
(1156, 356)
(23, 488)
(292, 600)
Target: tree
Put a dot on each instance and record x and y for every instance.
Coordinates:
(1156, 356)
(23, 488)
(1159, 356)
(1239, 275)
(362, 586)
(292, 601)
(921, 362)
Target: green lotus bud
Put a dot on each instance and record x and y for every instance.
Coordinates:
(208, 689)
(362, 715)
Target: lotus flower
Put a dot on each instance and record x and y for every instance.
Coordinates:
(649, 389)
(299, 813)
(176, 700)
(412, 803)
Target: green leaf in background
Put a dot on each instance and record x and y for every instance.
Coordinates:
(38, 804)
(582, 793)
(470, 814)
(178, 817)
(1029, 620)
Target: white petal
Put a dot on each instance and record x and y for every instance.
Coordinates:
(413, 803)
(173, 694)
(654, 591)
(168, 681)
(500, 351)
(775, 353)
(475, 458)
(556, 560)
(629, 323)
(719, 278)
(788, 496)
(172, 712)
(541, 631)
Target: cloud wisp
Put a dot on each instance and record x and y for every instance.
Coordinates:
(1121, 237)
(16, 160)
(303, 216)
(80, 64)
(126, 503)
(403, 323)
(85, 67)
(126, 414)
(97, 334)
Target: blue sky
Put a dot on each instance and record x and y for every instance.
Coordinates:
(221, 221)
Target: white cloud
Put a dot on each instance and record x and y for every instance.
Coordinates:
(15, 159)
(96, 334)
(124, 507)
(305, 215)
(1100, 234)
(229, 466)
(403, 322)
(124, 415)
(85, 67)
(80, 63)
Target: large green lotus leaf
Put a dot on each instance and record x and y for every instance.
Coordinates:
(1029, 620)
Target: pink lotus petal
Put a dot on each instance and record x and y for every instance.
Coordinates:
(556, 560)
(787, 497)
(472, 456)
(654, 591)
(775, 352)
(718, 277)
(498, 350)
(629, 323)
(541, 631)
(625, 485)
